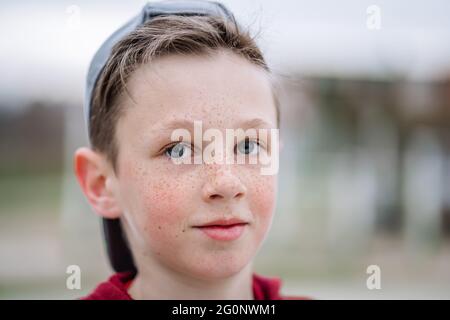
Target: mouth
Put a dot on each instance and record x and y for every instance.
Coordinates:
(223, 230)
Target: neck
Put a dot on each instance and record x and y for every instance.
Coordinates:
(157, 282)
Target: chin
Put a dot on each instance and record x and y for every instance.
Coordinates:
(219, 268)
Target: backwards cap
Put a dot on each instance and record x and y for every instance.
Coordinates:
(118, 250)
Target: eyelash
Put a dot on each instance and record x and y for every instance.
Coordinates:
(164, 153)
(258, 142)
(166, 149)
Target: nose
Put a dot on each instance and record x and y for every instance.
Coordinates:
(223, 185)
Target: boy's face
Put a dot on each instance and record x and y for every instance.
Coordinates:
(163, 203)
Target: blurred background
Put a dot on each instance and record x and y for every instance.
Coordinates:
(365, 173)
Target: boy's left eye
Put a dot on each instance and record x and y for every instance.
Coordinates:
(248, 147)
(178, 151)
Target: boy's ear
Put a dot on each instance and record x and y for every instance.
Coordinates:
(95, 180)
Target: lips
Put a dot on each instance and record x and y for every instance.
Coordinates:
(223, 230)
(223, 222)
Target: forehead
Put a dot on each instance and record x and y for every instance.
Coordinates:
(222, 90)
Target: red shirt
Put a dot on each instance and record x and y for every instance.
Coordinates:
(116, 288)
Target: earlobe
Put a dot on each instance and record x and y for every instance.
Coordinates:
(92, 175)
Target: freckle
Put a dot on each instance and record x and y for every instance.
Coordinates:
(159, 227)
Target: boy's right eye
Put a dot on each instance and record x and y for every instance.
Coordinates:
(178, 151)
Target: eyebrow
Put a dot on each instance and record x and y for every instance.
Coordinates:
(256, 123)
(184, 123)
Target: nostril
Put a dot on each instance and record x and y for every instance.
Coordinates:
(218, 196)
(239, 195)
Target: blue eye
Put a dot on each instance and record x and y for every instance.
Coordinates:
(248, 147)
(178, 151)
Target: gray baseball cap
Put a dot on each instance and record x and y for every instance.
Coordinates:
(118, 250)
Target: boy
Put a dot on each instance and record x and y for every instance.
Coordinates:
(190, 230)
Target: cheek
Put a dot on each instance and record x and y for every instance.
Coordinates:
(158, 203)
(262, 200)
(163, 205)
(263, 196)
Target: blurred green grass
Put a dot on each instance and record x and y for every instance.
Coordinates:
(23, 194)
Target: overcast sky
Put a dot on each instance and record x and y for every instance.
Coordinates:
(46, 47)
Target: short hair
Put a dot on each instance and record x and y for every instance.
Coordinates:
(161, 36)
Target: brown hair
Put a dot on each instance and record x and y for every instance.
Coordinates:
(163, 35)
